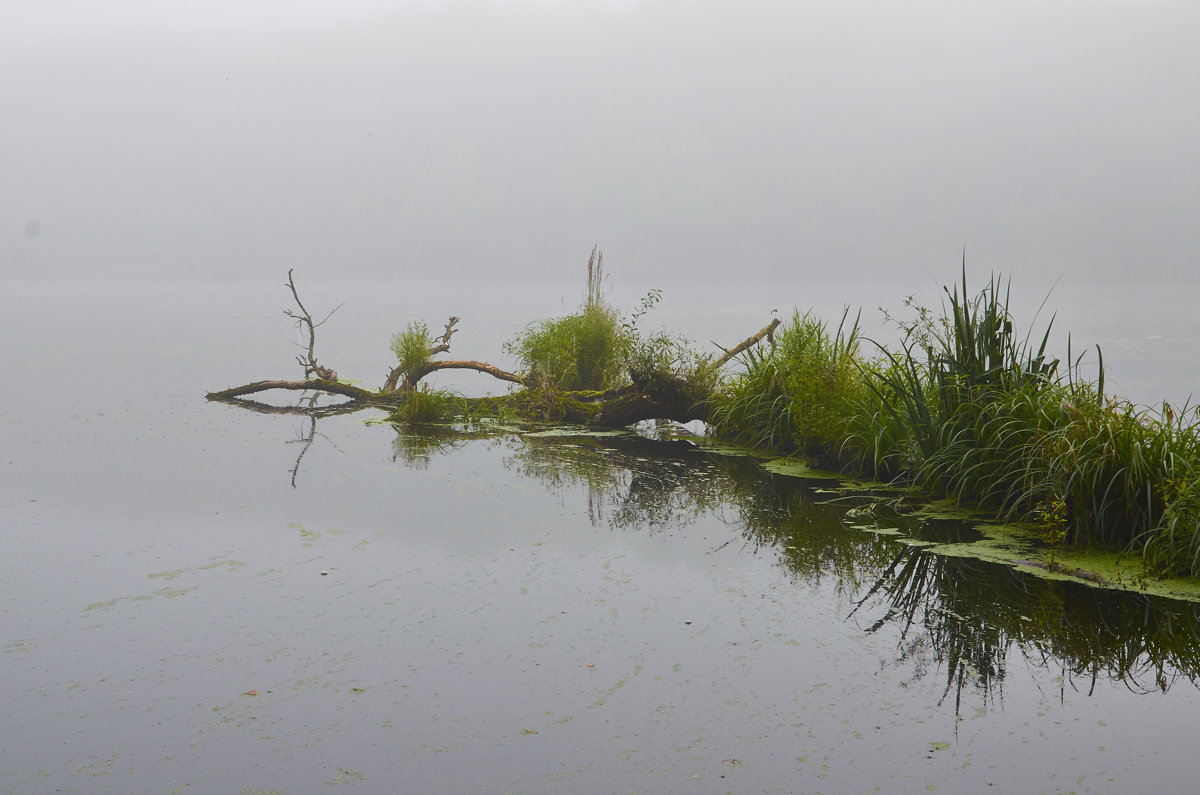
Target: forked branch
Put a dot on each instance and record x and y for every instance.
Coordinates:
(304, 321)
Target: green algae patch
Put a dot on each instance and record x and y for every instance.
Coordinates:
(222, 563)
(1021, 547)
(908, 541)
(878, 530)
(168, 575)
(308, 537)
(731, 449)
(796, 468)
(946, 509)
(214, 564)
(799, 468)
(572, 431)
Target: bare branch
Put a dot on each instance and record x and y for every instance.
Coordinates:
(767, 331)
(611, 408)
(331, 311)
(444, 343)
(304, 320)
(416, 375)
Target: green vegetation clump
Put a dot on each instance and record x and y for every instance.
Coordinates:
(425, 404)
(963, 407)
(966, 408)
(412, 347)
(585, 350)
(666, 364)
(800, 394)
(593, 350)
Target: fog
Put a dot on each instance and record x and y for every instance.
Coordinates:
(697, 143)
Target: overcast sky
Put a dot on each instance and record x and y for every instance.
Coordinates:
(694, 141)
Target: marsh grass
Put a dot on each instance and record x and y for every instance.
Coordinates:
(798, 393)
(426, 404)
(966, 407)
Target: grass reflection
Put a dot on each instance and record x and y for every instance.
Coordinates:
(962, 617)
(971, 616)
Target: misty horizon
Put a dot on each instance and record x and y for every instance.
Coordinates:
(692, 142)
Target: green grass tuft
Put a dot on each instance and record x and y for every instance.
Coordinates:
(412, 347)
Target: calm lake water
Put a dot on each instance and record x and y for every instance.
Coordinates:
(201, 598)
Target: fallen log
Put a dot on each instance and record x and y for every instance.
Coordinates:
(657, 398)
(310, 385)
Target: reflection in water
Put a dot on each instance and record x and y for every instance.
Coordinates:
(308, 405)
(631, 481)
(962, 616)
(416, 445)
(973, 615)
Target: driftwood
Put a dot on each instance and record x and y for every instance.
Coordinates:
(668, 399)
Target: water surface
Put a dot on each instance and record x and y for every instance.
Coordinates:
(185, 607)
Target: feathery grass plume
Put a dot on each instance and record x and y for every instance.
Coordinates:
(595, 279)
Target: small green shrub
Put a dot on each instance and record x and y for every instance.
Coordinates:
(586, 350)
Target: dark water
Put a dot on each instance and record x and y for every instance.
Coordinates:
(440, 612)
